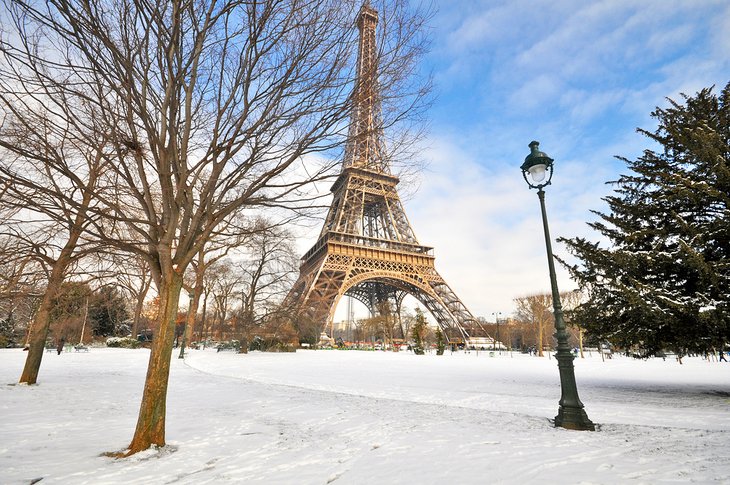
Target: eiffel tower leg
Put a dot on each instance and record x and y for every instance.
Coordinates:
(318, 292)
(464, 321)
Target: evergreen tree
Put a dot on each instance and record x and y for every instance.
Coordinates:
(440, 343)
(418, 331)
(108, 309)
(664, 280)
(7, 331)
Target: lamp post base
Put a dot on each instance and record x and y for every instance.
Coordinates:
(571, 414)
(574, 418)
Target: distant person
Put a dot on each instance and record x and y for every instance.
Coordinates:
(722, 356)
(60, 345)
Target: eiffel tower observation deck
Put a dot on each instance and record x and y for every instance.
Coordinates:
(367, 248)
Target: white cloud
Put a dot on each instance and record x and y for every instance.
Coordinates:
(718, 29)
(486, 229)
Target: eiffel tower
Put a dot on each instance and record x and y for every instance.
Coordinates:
(367, 249)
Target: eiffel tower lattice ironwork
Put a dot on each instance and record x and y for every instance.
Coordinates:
(367, 248)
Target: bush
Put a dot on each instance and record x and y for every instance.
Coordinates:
(271, 344)
(229, 345)
(122, 342)
(281, 347)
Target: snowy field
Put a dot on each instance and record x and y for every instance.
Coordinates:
(347, 417)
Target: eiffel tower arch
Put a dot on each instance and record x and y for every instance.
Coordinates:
(367, 248)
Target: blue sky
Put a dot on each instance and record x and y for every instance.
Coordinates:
(580, 77)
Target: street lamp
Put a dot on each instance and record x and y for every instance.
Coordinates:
(496, 320)
(538, 172)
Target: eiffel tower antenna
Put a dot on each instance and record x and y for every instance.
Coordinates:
(367, 248)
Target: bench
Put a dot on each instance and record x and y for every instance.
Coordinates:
(81, 348)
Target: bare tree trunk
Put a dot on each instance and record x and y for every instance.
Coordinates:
(83, 325)
(398, 310)
(146, 282)
(150, 429)
(39, 332)
(580, 342)
(204, 318)
(196, 302)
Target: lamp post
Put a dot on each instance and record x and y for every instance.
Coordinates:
(189, 320)
(496, 320)
(538, 172)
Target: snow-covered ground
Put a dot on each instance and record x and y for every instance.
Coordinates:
(348, 417)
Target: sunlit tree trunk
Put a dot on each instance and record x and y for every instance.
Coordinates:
(580, 342)
(540, 331)
(150, 428)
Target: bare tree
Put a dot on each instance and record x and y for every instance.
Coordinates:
(197, 286)
(268, 268)
(223, 281)
(213, 250)
(134, 276)
(537, 309)
(388, 321)
(406, 319)
(368, 329)
(69, 312)
(51, 171)
(537, 312)
(21, 283)
(570, 301)
(205, 108)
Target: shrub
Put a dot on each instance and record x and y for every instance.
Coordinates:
(122, 342)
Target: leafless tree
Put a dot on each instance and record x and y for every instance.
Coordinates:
(134, 276)
(537, 309)
(406, 322)
(50, 170)
(368, 329)
(215, 249)
(570, 301)
(200, 110)
(388, 321)
(197, 286)
(269, 266)
(21, 286)
(223, 281)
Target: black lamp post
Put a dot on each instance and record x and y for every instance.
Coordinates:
(538, 172)
(496, 320)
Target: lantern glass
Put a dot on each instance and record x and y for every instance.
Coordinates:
(537, 172)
